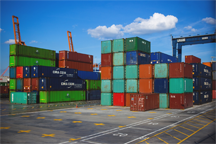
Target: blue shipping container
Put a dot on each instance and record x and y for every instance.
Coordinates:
(196, 83)
(201, 70)
(57, 60)
(19, 84)
(12, 72)
(93, 95)
(205, 96)
(213, 66)
(205, 84)
(136, 57)
(26, 72)
(159, 57)
(43, 71)
(89, 75)
(54, 84)
(161, 85)
(196, 98)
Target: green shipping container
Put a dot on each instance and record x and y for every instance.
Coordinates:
(32, 97)
(106, 46)
(161, 70)
(118, 45)
(119, 86)
(118, 72)
(119, 59)
(132, 71)
(180, 85)
(27, 51)
(132, 86)
(23, 97)
(107, 99)
(44, 96)
(138, 44)
(106, 86)
(12, 84)
(93, 84)
(164, 100)
(3, 84)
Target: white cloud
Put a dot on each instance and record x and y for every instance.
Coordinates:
(10, 41)
(157, 22)
(209, 20)
(1, 29)
(104, 32)
(33, 41)
(190, 28)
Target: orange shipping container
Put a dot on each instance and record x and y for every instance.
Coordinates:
(146, 71)
(106, 72)
(207, 64)
(146, 85)
(128, 99)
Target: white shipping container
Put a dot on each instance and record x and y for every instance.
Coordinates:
(4, 79)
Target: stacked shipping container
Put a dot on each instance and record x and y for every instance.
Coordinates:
(214, 80)
(4, 90)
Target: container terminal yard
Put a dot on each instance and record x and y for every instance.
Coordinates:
(132, 96)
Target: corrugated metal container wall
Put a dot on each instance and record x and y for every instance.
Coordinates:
(214, 85)
(118, 99)
(132, 71)
(19, 72)
(18, 97)
(118, 45)
(127, 99)
(3, 84)
(181, 101)
(57, 60)
(118, 86)
(148, 102)
(207, 64)
(180, 85)
(133, 102)
(195, 69)
(138, 44)
(146, 85)
(132, 86)
(205, 96)
(12, 72)
(118, 72)
(93, 95)
(119, 59)
(12, 84)
(214, 75)
(89, 75)
(196, 98)
(135, 57)
(27, 85)
(106, 72)
(205, 84)
(63, 55)
(205, 71)
(164, 100)
(44, 96)
(161, 70)
(159, 57)
(214, 94)
(180, 70)
(196, 83)
(107, 99)
(106, 46)
(161, 85)
(192, 59)
(213, 66)
(106, 60)
(19, 84)
(35, 84)
(146, 71)
(3, 89)
(106, 86)
(26, 72)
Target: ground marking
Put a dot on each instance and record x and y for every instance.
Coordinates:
(23, 108)
(14, 109)
(40, 117)
(98, 124)
(3, 109)
(48, 135)
(63, 111)
(118, 110)
(5, 127)
(103, 109)
(77, 121)
(94, 114)
(150, 118)
(134, 111)
(131, 117)
(120, 134)
(90, 108)
(57, 119)
(24, 131)
(152, 112)
(77, 112)
(40, 106)
(73, 139)
(162, 140)
(32, 107)
(169, 113)
(121, 126)
(25, 116)
(111, 115)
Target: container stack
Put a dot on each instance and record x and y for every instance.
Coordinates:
(214, 80)
(159, 57)
(4, 90)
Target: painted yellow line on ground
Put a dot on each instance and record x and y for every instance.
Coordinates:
(23, 131)
(201, 121)
(73, 139)
(152, 112)
(121, 126)
(169, 113)
(57, 119)
(90, 108)
(23, 108)
(172, 136)
(118, 110)
(131, 117)
(40, 117)
(5, 127)
(77, 121)
(48, 105)
(186, 128)
(32, 107)
(134, 111)
(63, 111)
(98, 124)
(146, 142)
(48, 135)
(14, 109)
(162, 140)
(94, 114)
(150, 118)
(13, 114)
(205, 118)
(197, 123)
(192, 125)
(77, 112)
(40, 106)
(103, 109)
(180, 132)
(25, 116)
(111, 115)
(51, 110)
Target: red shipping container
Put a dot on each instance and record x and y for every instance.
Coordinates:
(35, 84)
(181, 101)
(148, 102)
(127, 99)
(119, 99)
(213, 84)
(146, 85)
(133, 102)
(4, 89)
(180, 70)
(146, 71)
(27, 84)
(19, 72)
(192, 59)
(106, 60)
(213, 94)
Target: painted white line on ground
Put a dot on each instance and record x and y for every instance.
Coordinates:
(140, 128)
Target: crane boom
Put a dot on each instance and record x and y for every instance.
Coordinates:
(17, 31)
(5, 71)
(70, 42)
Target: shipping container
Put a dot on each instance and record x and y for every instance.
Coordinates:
(132, 71)
(93, 95)
(19, 72)
(213, 66)
(180, 85)
(213, 94)
(93, 84)
(119, 99)
(146, 85)
(3, 84)
(180, 70)
(27, 85)
(137, 58)
(164, 100)
(57, 60)
(106, 46)
(12, 84)
(159, 57)
(196, 98)
(118, 72)
(19, 84)
(107, 59)
(127, 99)
(138, 44)
(214, 75)
(76, 65)
(4, 89)
(119, 59)
(119, 45)
(205, 84)
(119, 86)
(34, 84)
(161, 70)
(161, 85)
(12, 72)
(106, 86)
(107, 99)
(88, 75)
(132, 86)
(23, 97)
(207, 64)
(214, 85)
(201, 70)
(26, 72)
(134, 102)
(4, 79)
(196, 83)
(205, 96)
(192, 59)
(181, 101)
(106, 72)
(74, 56)
(146, 71)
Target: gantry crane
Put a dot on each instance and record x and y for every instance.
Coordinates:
(70, 42)
(5, 71)
(17, 31)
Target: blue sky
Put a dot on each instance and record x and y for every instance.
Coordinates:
(44, 24)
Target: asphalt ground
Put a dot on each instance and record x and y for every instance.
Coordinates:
(107, 124)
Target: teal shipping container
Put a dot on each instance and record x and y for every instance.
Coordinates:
(164, 100)
(118, 72)
(180, 85)
(118, 45)
(119, 59)
(106, 46)
(161, 70)
(118, 86)
(107, 99)
(106, 86)
(132, 86)
(132, 71)
(23, 97)
(19, 84)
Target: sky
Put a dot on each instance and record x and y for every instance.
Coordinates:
(44, 24)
